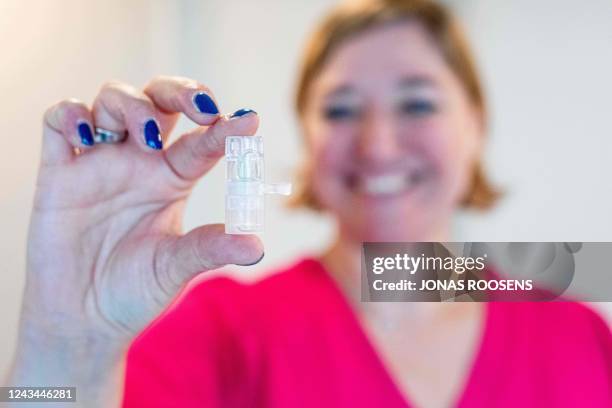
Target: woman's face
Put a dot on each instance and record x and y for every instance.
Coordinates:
(393, 135)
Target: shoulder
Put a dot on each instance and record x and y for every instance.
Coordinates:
(218, 319)
(561, 316)
(553, 318)
(556, 329)
(563, 348)
(225, 305)
(294, 282)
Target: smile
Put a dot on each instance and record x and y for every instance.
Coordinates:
(386, 184)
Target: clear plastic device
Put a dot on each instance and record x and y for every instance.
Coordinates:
(245, 187)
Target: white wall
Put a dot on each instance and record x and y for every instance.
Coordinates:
(548, 66)
(52, 50)
(546, 62)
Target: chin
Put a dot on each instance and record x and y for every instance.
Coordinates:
(395, 233)
(367, 224)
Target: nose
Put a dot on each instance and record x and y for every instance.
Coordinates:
(377, 137)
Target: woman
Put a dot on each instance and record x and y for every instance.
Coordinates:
(394, 120)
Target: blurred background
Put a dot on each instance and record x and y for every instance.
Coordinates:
(546, 63)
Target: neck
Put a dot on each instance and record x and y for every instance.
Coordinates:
(343, 259)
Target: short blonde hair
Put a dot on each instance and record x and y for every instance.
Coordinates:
(355, 17)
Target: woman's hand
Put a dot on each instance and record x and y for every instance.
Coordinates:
(106, 250)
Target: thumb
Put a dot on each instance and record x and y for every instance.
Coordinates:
(202, 249)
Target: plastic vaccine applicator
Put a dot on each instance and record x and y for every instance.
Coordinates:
(245, 187)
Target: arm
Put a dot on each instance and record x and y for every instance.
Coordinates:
(106, 250)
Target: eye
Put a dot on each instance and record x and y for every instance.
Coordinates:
(338, 113)
(417, 107)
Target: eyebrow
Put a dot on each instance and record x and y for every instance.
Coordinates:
(409, 82)
(342, 90)
(418, 81)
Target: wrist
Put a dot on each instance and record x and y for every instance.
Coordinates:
(89, 362)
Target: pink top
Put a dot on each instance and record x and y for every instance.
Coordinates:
(292, 340)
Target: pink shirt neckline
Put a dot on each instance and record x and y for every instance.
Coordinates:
(483, 346)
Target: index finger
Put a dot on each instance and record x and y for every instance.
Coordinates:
(178, 94)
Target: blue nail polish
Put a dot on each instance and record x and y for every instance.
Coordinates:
(152, 135)
(241, 112)
(205, 104)
(86, 134)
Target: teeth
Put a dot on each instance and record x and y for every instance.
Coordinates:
(385, 184)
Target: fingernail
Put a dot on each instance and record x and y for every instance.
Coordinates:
(241, 112)
(85, 133)
(205, 104)
(152, 135)
(256, 262)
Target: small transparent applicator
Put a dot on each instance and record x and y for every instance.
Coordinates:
(245, 188)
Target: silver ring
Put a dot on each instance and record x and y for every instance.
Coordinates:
(108, 136)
